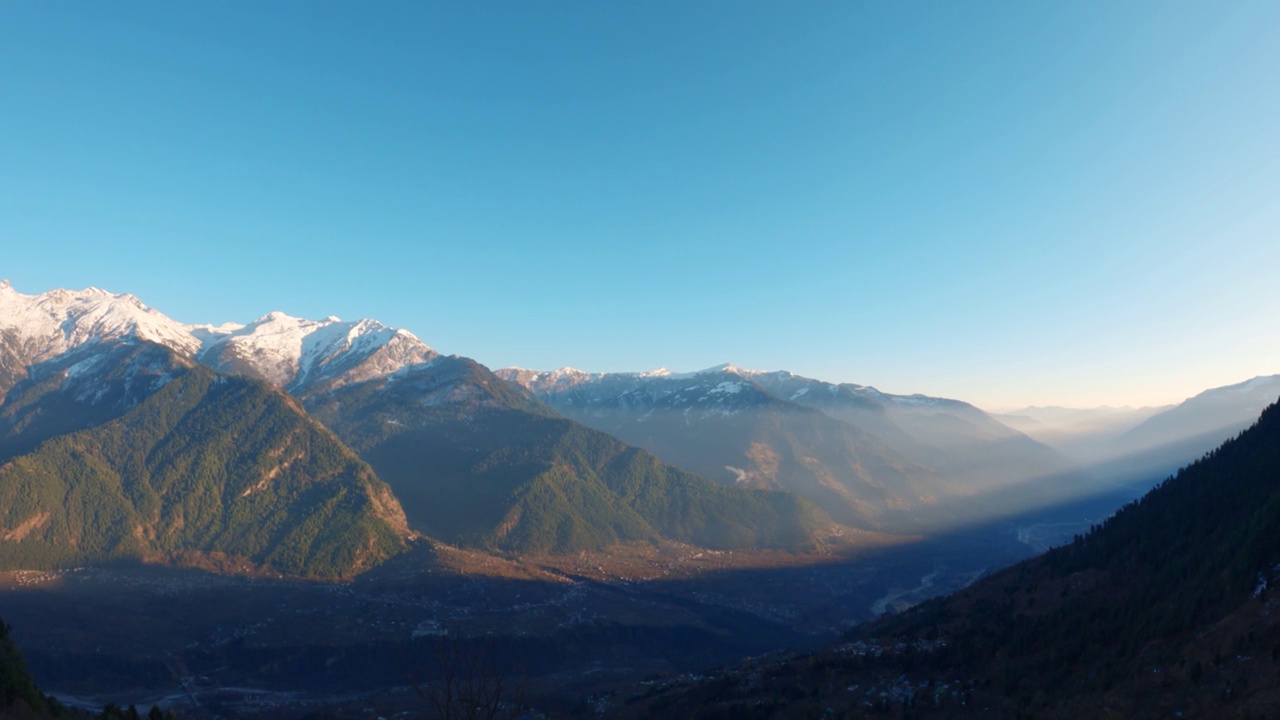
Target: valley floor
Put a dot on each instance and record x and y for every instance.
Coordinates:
(578, 627)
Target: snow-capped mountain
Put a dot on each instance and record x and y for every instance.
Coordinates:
(299, 354)
(123, 449)
(721, 390)
(718, 386)
(932, 421)
(727, 388)
(842, 445)
(292, 353)
(722, 423)
(38, 328)
(477, 459)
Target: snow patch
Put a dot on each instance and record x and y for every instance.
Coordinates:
(54, 322)
(276, 346)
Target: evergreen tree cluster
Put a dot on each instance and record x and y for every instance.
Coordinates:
(205, 463)
(19, 697)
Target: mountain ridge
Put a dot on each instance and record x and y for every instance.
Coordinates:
(290, 352)
(871, 458)
(1166, 609)
(537, 474)
(570, 498)
(170, 461)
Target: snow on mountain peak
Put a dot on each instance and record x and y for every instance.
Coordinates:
(278, 347)
(728, 368)
(546, 380)
(290, 351)
(275, 316)
(59, 320)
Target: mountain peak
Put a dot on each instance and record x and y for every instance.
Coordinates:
(657, 372)
(290, 351)
(275, 316)
(277, 347)
(728, 368)
(561, 378)
(59, 320)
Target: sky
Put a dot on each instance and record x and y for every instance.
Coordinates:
(1008, 203)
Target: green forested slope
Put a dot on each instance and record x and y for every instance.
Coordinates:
(1167, 609)
(203, 465)
(1182, 557)
(19, 697)
(478, 462)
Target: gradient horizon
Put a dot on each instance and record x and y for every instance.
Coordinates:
(1006, 204)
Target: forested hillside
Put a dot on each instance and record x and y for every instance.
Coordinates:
(19, 697)
(479, 462)
(1167, 607)
(199, 468)
(907, 464)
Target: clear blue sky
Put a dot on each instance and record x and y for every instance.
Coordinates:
(1010, 202)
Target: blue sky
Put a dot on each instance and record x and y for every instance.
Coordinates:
(1010, 203)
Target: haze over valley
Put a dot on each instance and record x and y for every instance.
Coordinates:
(149, 462)
(657, 360)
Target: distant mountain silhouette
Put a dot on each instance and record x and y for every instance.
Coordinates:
(893, 462)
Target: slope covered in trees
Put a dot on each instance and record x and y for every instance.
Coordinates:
(193, 467)
(870, 459)
(1167, 607)
(480, 462)
(19, 697)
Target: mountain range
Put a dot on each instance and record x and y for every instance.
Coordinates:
(234, 444)
(1067, 429)
(872, 459)
(1167, 609)
(126, 450)
(323, 447)
(1139, 445)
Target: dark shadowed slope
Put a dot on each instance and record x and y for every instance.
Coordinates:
(1165, 610)
(19, 697)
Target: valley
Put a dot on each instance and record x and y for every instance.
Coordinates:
(639, 361)
(1164, 609)
(292, 516)
(572, 626)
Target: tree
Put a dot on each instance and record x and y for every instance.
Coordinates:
(468, 684)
